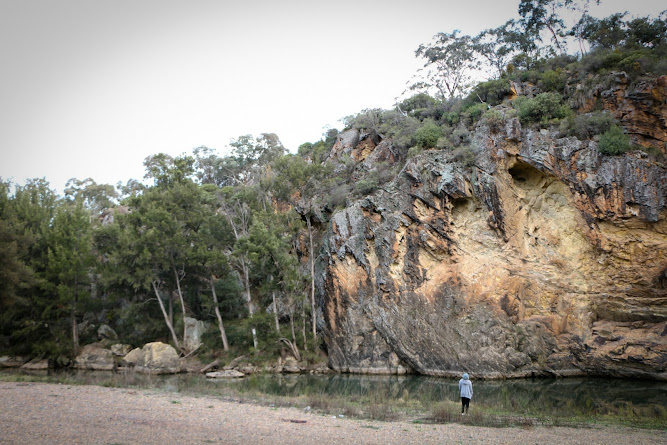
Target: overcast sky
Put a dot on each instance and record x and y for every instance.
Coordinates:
(89, 88)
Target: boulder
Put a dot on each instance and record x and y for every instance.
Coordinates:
(37, 364)
(132, 357)
(194, 329)
(291, 366)
(154, 358)
(224, 374)
(105, 332)
(248, 369)
(120, 349)
(234, 363)
(95, 357)
(11, 362)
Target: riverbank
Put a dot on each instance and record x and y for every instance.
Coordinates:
(52, 413)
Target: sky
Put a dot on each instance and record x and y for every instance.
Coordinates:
(90, 88)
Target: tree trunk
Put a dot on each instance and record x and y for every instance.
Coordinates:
(246, 284)
(312, 279)
(180, 296)
(555, 38)
(75, 334)
(75, 328)
(242, 213)
(303, 325)
(170, 301)
(291, 324)
(223, 335)
(275, 311)
(166, 317)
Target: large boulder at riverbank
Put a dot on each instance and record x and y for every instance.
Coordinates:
(95, 357)
(7, 361)
(154, 358)
(37, 364)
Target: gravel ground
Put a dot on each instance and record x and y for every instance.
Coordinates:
(39, 413)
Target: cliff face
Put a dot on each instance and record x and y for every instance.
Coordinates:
(639, 106)
(544, 258)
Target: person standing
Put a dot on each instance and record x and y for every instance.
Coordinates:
(465, 387)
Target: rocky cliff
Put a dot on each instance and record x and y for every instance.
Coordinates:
(542, 258)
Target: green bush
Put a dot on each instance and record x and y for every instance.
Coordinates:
(541, 109)
(531, 76)
(420, 106)
(494, 119)
(634, 62)
(427, 136)
(465, 155)
(552, 81)
(587, 125)
(414, 151)
(451, 117)
(365, 186)
(474, 112)
(460, 136)
(493, 92)
(400, 129)
(614, 141)
(637, 62)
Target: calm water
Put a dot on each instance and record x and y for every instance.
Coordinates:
(523, 396)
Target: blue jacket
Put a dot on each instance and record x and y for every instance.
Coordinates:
(465, 386)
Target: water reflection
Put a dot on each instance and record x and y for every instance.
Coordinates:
(549, 396)
(555, 392)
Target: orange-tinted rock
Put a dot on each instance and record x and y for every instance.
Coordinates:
(545, 258)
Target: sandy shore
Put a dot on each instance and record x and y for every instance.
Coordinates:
(38, 413)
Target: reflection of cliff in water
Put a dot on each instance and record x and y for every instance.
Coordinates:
(524, 392)
(522, 396)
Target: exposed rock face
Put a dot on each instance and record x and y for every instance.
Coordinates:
(95, 357)
(544, 258)
(154, 358)
(639, 106)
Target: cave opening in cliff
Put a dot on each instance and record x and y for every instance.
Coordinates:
(524, 175)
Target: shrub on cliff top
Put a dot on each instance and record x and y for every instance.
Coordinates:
(614, 141)
(585, 126)
(541, 109)
(427, 136)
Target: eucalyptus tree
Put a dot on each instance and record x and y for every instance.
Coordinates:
(549, 15)
(212, 246)
(238, 205)
(450, 61)
(298, 183)
(157, 239)
(94, 197)
(274, 265)
(251, 155)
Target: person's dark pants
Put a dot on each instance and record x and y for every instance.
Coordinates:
(465, 404)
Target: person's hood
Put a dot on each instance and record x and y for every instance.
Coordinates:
(466, 376)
